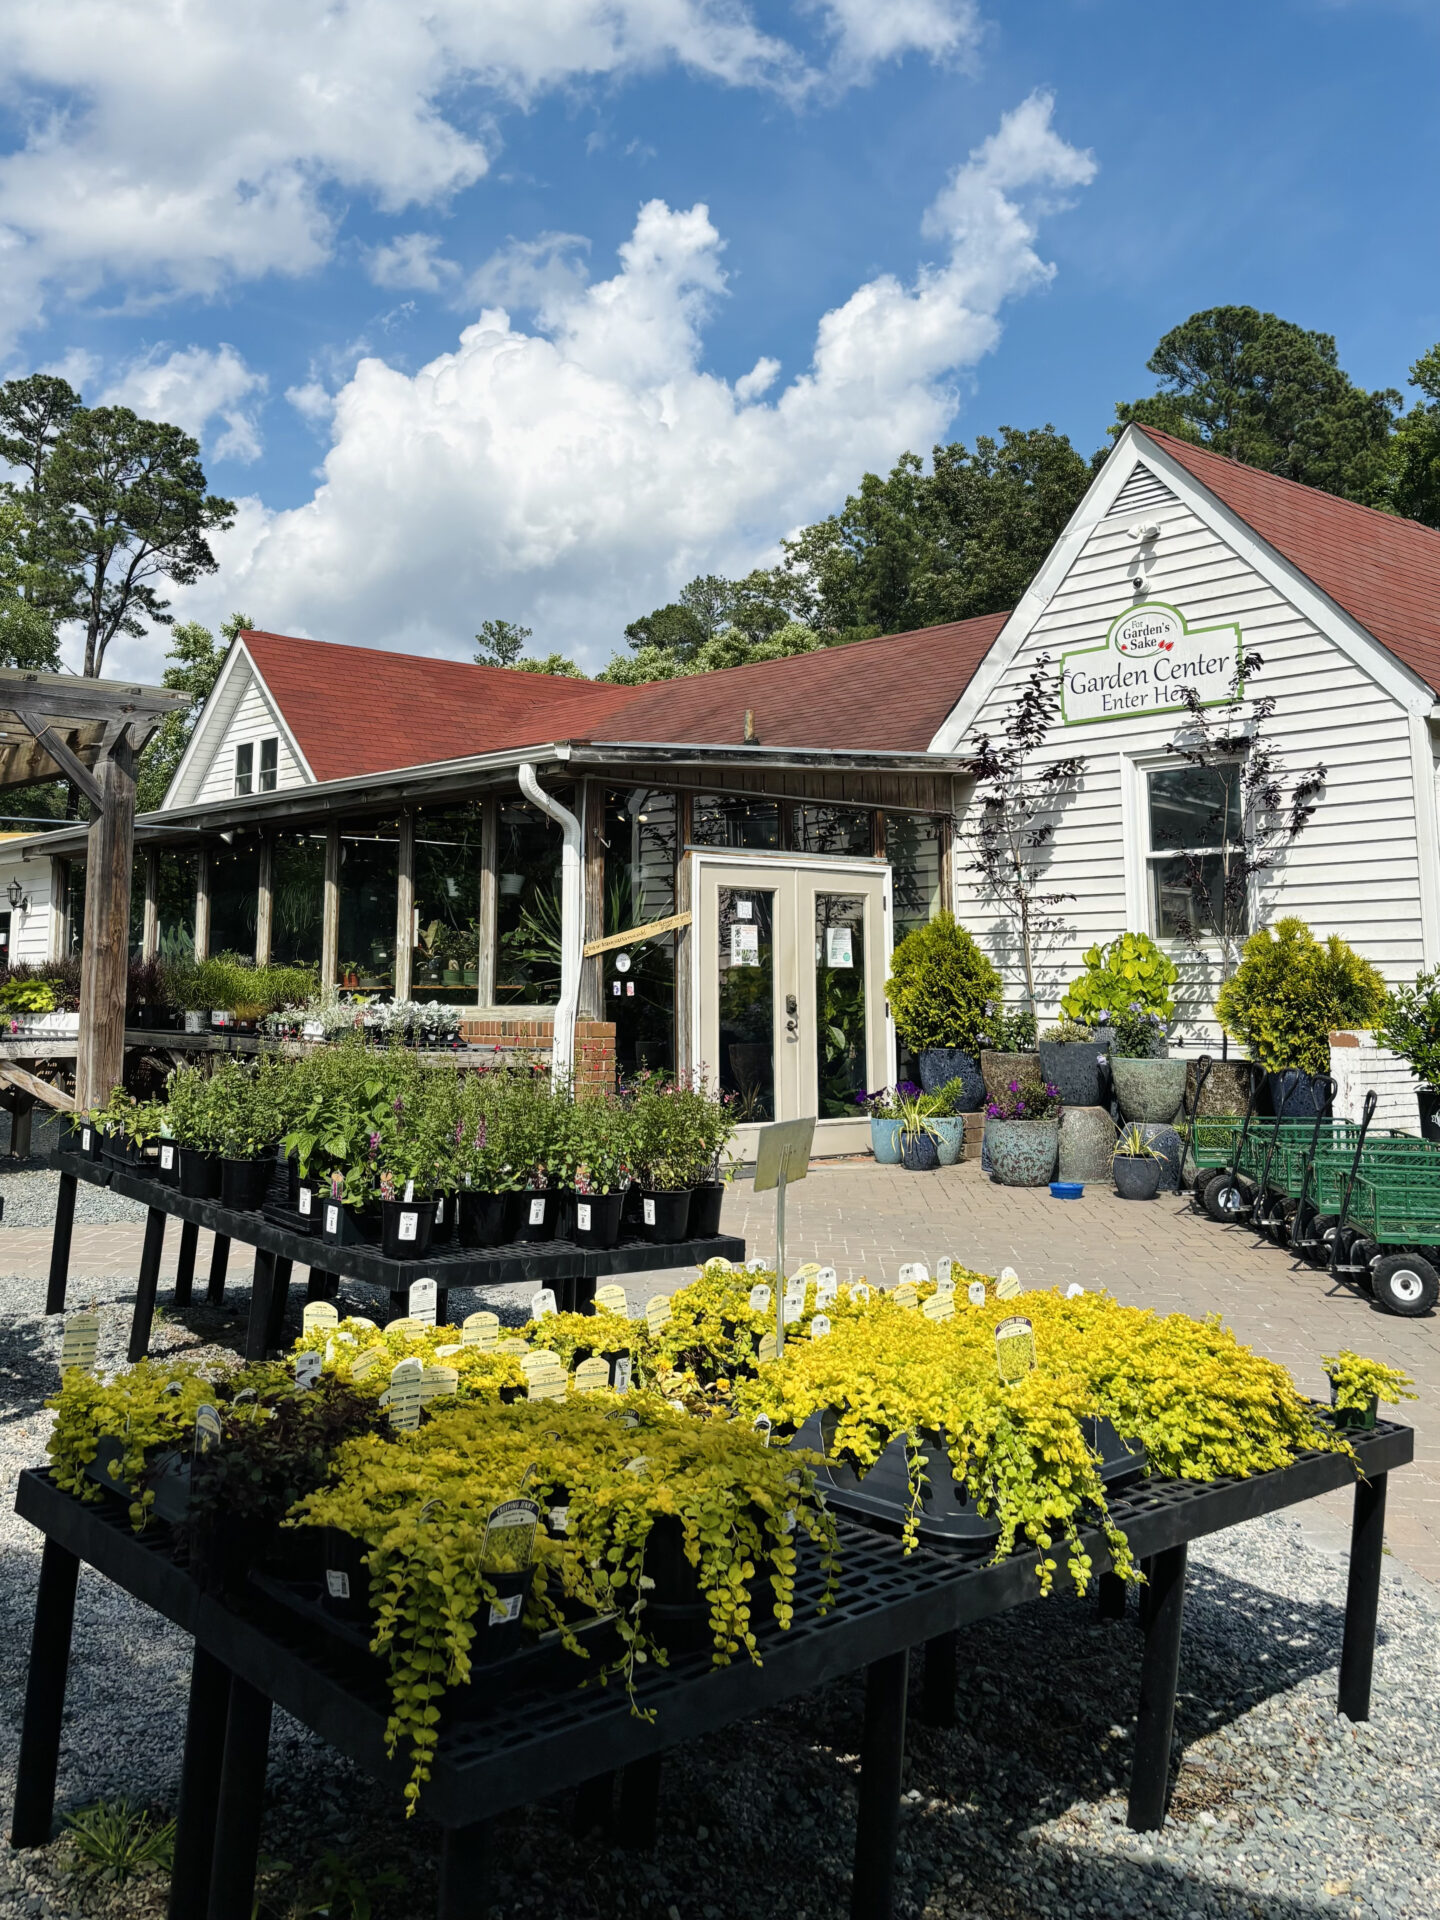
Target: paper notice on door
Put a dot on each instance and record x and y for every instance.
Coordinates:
(744, 945)
(745, 909)
(837, 947)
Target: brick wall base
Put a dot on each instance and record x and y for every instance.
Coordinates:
(532, 1036)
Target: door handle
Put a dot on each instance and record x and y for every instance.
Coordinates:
(792, 1018)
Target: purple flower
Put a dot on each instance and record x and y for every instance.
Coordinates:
(374, 1145)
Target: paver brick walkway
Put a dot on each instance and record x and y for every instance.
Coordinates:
(864, 1219)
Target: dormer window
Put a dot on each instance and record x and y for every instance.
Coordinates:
(269, 763)
(244, 767)
(246, 780)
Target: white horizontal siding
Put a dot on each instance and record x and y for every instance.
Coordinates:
(30, 930)
(248, 718)
(1355, 871)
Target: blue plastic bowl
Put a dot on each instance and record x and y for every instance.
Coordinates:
(1066, 1189)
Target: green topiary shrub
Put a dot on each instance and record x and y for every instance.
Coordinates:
(1412, 1026)
(1129, 971)
(1290, 990)
(940, 987)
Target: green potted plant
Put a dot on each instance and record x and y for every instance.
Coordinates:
(919, 1135)
(245, 1102)
(940, 989)
(1022, 1134)
(1128, 971)
(1358, 1385)
(1410, 1026)
(193, 1115)
(1148, 1084)
(1287, 996)
(1137, 1164)
(879, 1109)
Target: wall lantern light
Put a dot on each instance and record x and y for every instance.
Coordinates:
(18, 898)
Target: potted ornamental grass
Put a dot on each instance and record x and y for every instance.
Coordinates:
(1137, 1164)
(1410, 1026)
(919, 1134)
(1149, 1085)
(1022, 1134)
(1287, 996)
(940, 990)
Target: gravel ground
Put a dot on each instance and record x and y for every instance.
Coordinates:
(1281, 1810)
(30, 1188)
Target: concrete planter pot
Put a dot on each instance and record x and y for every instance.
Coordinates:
(1137, 1179)
(1226, 1089)
(1080, 1069)
(1164, 1139)
(939, 1066)
(1087, 1139)
(885, 1142)
(999, 1069)
(1023, 1152)
(1149, 1089)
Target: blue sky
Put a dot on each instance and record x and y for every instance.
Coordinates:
(223, 222)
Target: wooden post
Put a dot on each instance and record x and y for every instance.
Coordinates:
(265, 902)
(877, 843)
(489, 897)
(405, 905)
(59, 908)
(104, 962)
(686, 1043)
(150, 938)
(202, 904)
(330, 913)
(592, 972)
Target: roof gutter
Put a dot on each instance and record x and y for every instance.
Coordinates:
(572, 921)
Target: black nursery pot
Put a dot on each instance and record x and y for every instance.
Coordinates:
(665, 1215)
(243, 1181)
(597, 1219)
(538, 1213)
(488, 1219)
(346, 1587)
(308, 1202)
(405, 1228)
(1136, 1178)
(447, 1208)
(346, 1226)
(166, 1164)
(705, 1205)
(199, 1174)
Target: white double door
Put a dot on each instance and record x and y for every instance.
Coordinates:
(790, 957)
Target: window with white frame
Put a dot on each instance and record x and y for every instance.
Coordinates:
(269, 763)
(1195, 851)
(244, 767)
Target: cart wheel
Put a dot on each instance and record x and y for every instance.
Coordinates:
(1406, 1284)
(1225, 1198)
(1270, 1216)
(1318, 1234)
(1281, 1225)
(1362, 1255)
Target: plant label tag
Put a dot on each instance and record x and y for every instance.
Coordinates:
(319, 1313)
(810, 1270)
(542, 1303)
(502, 1612)
(826, 1277)
(359, 1320)
(480, 1330)
(443, 1353)
(337, 1583)
(85, 1139)
(827, 1292)
(307, 1370)
(305, 1202)
(509, 1543)
(402, 1396)
(407, 1196)
(759, 1298)
(915, 1272)
(436, 1382)
(657, 1312)
(907, 1295)
(620, 1378)
(421, 1302)
(1008, 1285)
(167, 1156)
(755, 1266)
(762, 1426)
(612, 1299)
(313, 1030)
(408, 1225)
(837, 947)
(440, 1211)
(940, 1306)
(582, 1216)
(648, 1208)
(512, 1345)
(859, 1294)
(744, 944)
(820, 1326)
(407, 1324)
(558, 1519)
(207, 1430)
(591, 1375)
(975, 1293)
(769, 1346)
(1014, 1349)
(82, 1335)
(332, 1219)
(365, 1362)
(794, 1300)
(945, 1287)
(537, 1210)
(544, 1376)
(1074, 1290)
(944, 1269)
(638, 1465)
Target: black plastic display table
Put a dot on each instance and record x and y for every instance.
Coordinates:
(572, 1271)
(251, 1655)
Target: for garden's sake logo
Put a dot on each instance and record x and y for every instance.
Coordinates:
(1150, 660)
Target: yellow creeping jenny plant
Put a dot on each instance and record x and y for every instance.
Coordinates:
(482, 1374)
(1358, 1381)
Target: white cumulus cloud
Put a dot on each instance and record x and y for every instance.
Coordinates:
(212, 394)
(575, 473)
(869, 32)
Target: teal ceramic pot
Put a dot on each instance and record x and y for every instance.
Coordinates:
(1087, 1139)
(949, 1139)
(885, 1142)
(1148, 1089)
(1023, 1152)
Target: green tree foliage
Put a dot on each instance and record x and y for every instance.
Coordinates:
(1415, 450)
(501, 643)
(34, 585)
(941, 987)
(1272, 394)
(553, 663)
(194, 663)
(1291, 991)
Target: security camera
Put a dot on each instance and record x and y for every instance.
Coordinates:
(1139, 583)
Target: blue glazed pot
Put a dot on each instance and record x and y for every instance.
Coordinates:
(940, 1065)
(918, 1153)
(1023, 1152)
(1167, 1141)
(1293, 1094)
(951, 1142)
(885, 1142)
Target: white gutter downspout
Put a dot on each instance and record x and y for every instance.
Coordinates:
(572, 921)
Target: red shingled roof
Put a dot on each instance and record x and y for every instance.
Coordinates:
(355, 710)
(1384, 571)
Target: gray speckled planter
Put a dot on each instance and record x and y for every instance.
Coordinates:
(1137, 1179)
(1226, 1089)
(999, 1069)
(1166, 1140)
(1080, 1069)
(940, 1065)
(1023, 1152)
(1087, 1139)
(1148, 1089)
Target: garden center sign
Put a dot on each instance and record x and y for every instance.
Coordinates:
(1150, 655)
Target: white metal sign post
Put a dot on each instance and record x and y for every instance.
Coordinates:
(782, 1154)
